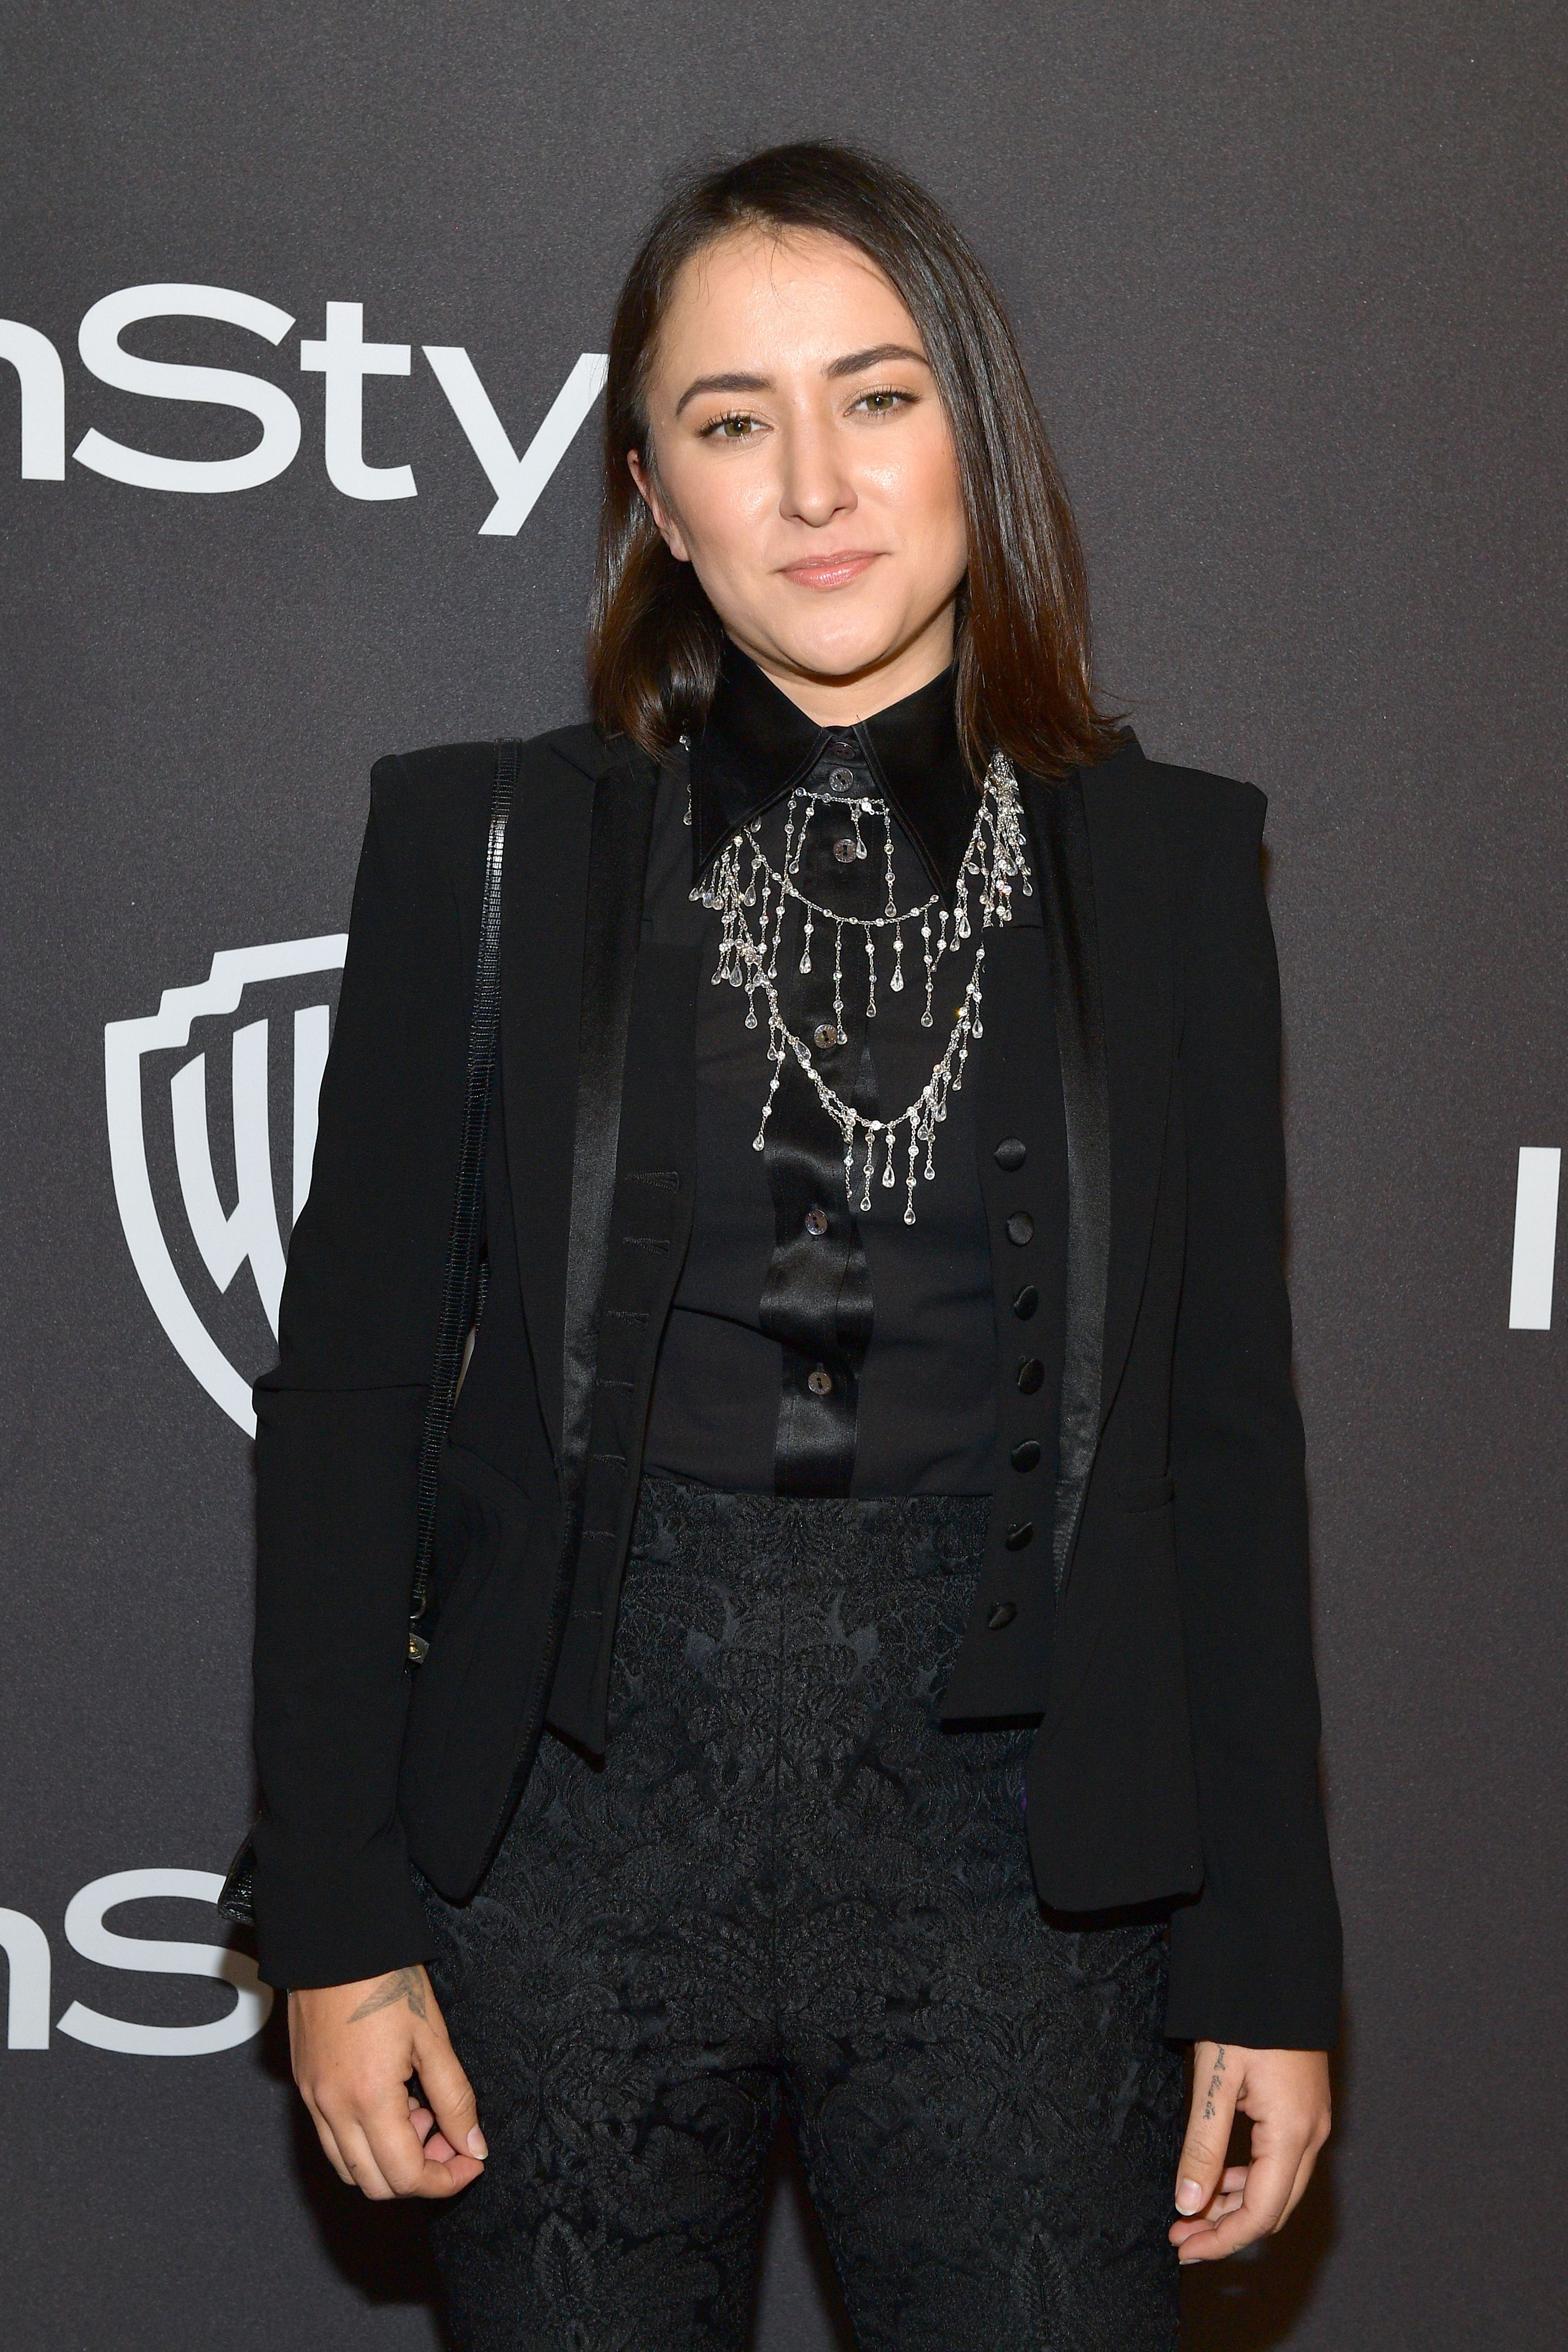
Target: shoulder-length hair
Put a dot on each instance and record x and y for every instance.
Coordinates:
(1023, 646)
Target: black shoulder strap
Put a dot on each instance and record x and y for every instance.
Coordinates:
(236, 1901)
(460, 1256)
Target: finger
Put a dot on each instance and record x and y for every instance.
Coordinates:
(1180, 2231)
(1304, 2172)
(398, 2151)
(435, 2143)
(403, 2159)
(1232, 2182)
(1270, 2178)
(330, 2147)
(1215, 2080)
(359, 2157)
(1225, 2199)
(449, 2094)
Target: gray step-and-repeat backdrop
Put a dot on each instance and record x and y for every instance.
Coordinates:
(303, 309)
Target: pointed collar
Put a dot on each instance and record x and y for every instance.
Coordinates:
(756, 745)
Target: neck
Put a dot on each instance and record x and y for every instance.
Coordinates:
(840, 701)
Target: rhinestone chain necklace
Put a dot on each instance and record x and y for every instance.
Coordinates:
(994, 859)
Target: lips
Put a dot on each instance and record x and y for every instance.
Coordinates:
(831, 570)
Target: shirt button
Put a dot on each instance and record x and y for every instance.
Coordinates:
(1031, 1372)
(816, 1221)
(844, 852)
(1002, 1615)
(842, 780)
(1019, 1534)
(1020, 1227)
(1025, 1455)
(820, 1382)
(1027, 1301)
(1011, 1153)
(823, 1036)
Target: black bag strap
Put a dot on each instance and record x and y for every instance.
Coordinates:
(237, 1900)
(461, 1273)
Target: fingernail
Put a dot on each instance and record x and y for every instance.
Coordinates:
(477, 2143)
(1189, 2196)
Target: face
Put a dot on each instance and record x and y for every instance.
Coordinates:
(804, 467)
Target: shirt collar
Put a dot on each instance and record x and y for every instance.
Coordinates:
(756, 745)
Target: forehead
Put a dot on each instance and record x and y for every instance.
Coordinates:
(797, 292)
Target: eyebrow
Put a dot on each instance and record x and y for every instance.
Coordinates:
(852, 363)
(723, 383)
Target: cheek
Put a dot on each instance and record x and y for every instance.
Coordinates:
(719, 508)
(919, 483)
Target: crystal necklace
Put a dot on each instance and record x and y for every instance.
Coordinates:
(744, 878)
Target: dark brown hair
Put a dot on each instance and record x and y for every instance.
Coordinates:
(1023, 684)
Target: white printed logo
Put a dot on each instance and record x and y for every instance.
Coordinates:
(162, 1100)
(1534, 1237)
(341, 355)
(30, 1965)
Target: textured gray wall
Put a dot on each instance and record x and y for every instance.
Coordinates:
(1289, 281)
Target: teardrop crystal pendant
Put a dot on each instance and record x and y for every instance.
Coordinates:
(995, 861)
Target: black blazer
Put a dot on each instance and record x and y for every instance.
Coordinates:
(1159, 1623)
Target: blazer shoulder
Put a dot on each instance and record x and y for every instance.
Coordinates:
(432, 800)
(444, 776)
(1194, 802)
(1202, 816)
(1153, 814)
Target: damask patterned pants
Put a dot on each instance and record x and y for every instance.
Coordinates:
(788, 1884)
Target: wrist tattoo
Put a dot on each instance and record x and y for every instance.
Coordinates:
(403, 1984)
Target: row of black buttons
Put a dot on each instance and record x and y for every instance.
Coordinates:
(826, 1035)
(846, 850)
(819, 1380)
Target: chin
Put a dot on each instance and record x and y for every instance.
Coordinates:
(839, 651)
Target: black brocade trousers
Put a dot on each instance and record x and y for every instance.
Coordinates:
(787, 1883)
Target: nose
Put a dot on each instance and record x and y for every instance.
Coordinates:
(815, 486)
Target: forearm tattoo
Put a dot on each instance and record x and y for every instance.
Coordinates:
(403, 1984)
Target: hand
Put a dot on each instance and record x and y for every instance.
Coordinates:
(353, 2048)
(1286, 2094)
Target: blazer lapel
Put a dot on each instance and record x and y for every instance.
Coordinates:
(1131, 903)
(572, 900)
(543, 893)
(1067, 913)
(1103, 899)
(617, 867)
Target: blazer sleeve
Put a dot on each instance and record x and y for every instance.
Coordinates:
(1256, 1957)
(340, 1419)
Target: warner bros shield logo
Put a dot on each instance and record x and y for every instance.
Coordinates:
(197, 1093)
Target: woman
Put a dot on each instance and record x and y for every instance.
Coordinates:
(868, 1659)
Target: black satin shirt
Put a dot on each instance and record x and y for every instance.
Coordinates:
(813, 1346)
